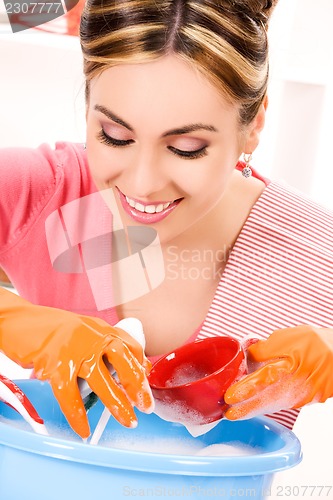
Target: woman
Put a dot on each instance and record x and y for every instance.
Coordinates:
(156, 218)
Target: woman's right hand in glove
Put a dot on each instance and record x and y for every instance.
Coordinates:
(62, 346)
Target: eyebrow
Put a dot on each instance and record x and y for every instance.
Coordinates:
(112, 116)
(177, 131)
(190, 128)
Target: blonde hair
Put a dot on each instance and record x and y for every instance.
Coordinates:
(226, 40)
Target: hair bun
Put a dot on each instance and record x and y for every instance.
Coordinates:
(259, 10)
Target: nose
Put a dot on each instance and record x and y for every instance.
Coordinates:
(146, 175)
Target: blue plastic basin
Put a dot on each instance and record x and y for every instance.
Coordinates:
(35, 467)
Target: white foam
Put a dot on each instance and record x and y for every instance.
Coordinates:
(183, 446)
(151, 444)
(230, 450)
(52, 429)
(146, 444)
(185, 374)
(178, 412)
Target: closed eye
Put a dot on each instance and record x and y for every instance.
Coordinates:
(189, 155)
(111, 141)
(186, 154)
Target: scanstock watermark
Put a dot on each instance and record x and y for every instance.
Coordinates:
(195, 491)
(25, 14)
(121, 263)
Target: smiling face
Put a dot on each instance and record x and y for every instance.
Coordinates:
(164, 139)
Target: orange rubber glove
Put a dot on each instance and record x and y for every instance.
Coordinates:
(293, 367)
(62, 346)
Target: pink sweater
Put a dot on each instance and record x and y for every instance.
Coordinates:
(279, 274)
(35, 183)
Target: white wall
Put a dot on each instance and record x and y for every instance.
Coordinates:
(41, 99)
(41, 88)
(296, 143)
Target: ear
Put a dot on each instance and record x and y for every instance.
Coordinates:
(255, 128)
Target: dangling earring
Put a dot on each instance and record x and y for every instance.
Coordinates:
(247, 170)
(84, 145)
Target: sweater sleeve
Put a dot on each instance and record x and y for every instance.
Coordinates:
(28, 180)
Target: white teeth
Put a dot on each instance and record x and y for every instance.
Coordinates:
(130, 202)
(149, 209)
(139, 207)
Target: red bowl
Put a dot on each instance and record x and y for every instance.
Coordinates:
(188, 384)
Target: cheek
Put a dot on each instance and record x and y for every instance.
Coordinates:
(209, 187)
(210, 180)
(104, 162)
(104, 165)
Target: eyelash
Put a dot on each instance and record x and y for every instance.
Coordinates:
(187, 155)
(110, 141)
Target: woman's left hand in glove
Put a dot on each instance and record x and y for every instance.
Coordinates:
(293, 367)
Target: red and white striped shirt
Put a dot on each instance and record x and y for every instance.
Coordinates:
(279, 273)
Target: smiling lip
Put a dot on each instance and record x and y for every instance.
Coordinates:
(145, 217)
